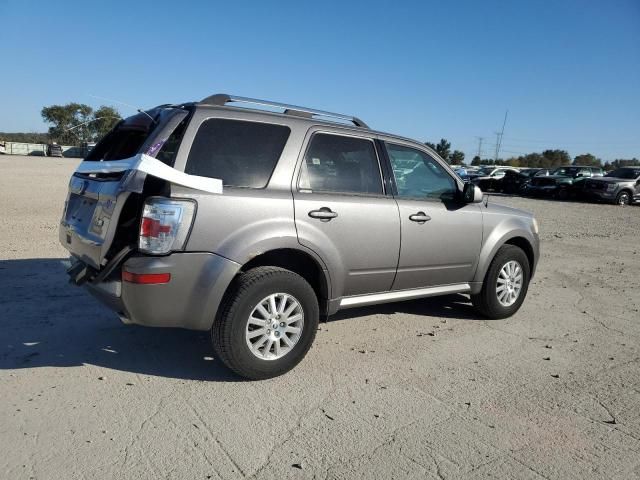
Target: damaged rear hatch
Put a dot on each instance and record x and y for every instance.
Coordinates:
(105, 192)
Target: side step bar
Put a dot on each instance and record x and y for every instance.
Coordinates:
(396, 296)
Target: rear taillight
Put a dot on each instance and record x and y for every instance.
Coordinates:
(165, 225)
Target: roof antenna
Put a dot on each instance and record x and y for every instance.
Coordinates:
(139, 110)
(87, 122)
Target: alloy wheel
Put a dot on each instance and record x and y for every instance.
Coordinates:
(274, 326)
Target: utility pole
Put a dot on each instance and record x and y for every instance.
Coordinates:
(495, 158)
(480, 139)
(500, 135)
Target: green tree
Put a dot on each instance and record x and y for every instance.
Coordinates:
(476, 161)
(104, 119)
(444, 148)
(76, 123)
(63, 118)
(457, 157)
(430, 145)
(619, 162)
(556, 158)
(588, 160)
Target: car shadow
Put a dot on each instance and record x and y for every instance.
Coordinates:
(46, 322)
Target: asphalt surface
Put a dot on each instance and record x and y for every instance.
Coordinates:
(421, 389)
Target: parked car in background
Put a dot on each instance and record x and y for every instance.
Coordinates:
(2, 147)
(54, 150)
(563, 182)
(491, 178)
(514, 181)
(251, 224)
(461, 170)
(621, 186)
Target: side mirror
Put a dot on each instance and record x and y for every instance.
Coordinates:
(471, 193)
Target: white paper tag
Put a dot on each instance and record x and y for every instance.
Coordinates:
(155, 168)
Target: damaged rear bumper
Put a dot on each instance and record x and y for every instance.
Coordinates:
(189, 300)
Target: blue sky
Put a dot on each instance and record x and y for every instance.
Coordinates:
(568, 71)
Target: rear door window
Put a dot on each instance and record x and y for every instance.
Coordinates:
(242, 154)
(341, 164)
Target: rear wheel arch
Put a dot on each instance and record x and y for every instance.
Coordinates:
(300, 262)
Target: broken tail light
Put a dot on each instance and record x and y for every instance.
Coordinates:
(165, 225)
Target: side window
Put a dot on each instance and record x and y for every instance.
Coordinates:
(168, 151)
(418, 175)
(242, 154)
(339, 164)
(584, 172)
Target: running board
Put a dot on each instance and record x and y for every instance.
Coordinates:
(397, 296)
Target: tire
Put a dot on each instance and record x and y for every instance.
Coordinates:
(487, 302)
(623, 198)
(232, 326)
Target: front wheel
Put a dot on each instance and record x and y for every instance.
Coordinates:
(266, 323)
(505, 284)
(623, 199)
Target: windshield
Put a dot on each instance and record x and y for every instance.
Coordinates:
(567, 171)
(627, 173)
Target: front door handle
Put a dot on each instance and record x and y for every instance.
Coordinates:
(324, 214)
(419, 217)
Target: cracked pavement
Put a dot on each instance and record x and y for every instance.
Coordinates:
(553, 392)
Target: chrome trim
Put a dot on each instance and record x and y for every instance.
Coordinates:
(384, 297)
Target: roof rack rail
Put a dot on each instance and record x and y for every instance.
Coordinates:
(222, 99)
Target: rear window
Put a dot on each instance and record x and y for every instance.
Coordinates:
(125, 140)
(242, 154)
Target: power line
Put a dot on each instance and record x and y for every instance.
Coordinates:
(598, 142)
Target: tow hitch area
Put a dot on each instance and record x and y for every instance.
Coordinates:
(80, 273)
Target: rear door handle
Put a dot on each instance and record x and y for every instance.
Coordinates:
(419, 217)
(324, 214)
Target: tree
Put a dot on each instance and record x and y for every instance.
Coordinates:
(555, 158)
(430, 145)
(476, 161)
(76, 123)
(63, 118)
(588, 160)
(104, 119)
(443, 149)
(457, 157)
(619, 162)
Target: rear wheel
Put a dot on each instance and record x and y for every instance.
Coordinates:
(505, 284)
(623, 198)
(266, 323)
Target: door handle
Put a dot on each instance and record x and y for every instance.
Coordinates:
(419, 217)
(324, 214)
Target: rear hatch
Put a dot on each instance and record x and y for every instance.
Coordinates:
(99, 204)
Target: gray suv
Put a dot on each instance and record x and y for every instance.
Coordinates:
(254, 223)
(621, 186)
